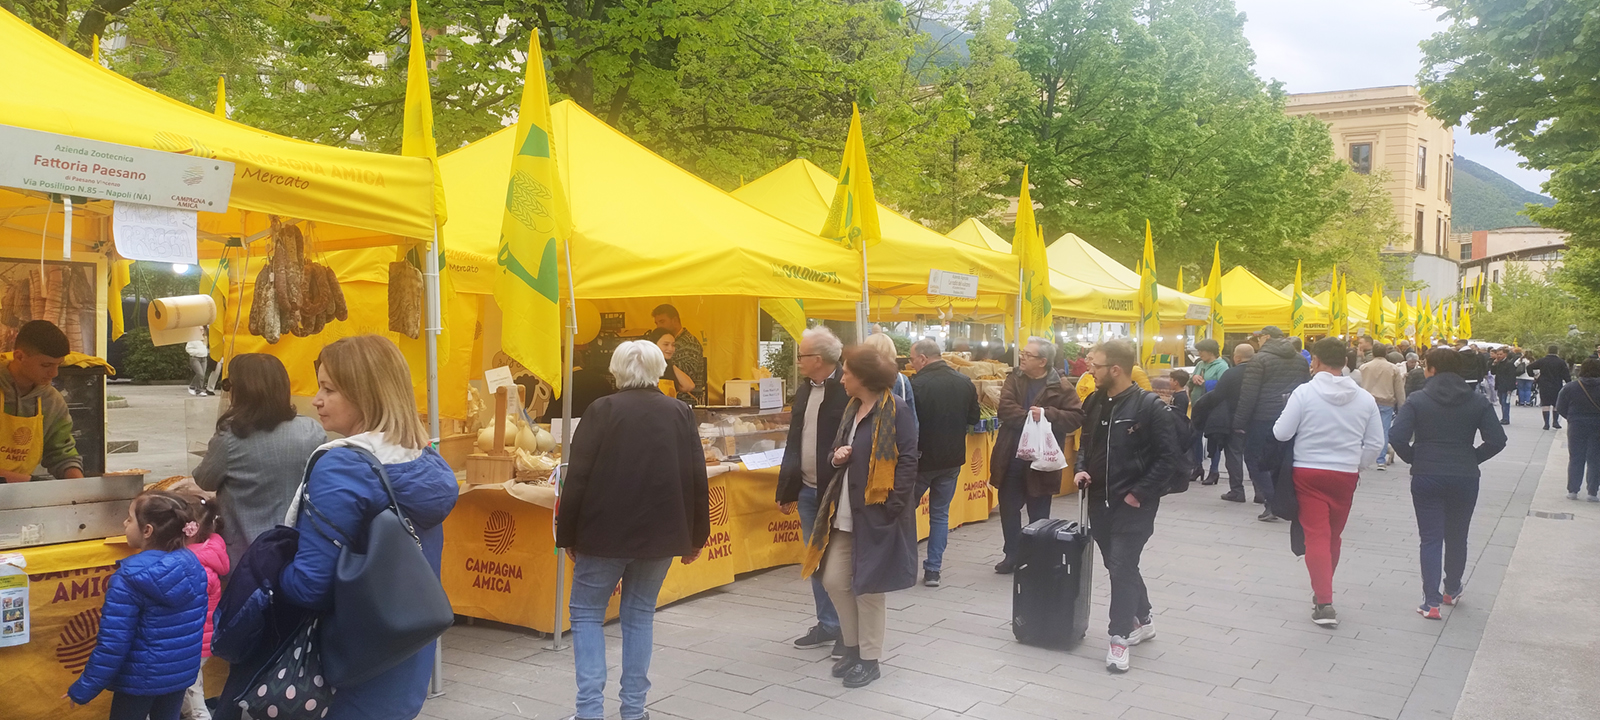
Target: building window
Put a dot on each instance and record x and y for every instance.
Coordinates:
(1438, 236)
(1422, 166)
(1420, 220)
(1466, 251)
(1497, 277)
(1361, 158)
(1449, 179)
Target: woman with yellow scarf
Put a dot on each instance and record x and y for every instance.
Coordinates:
(865, 537)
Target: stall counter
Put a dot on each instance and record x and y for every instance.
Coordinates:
(499, 552)
(66, 585)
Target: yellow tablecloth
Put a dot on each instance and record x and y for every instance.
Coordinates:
(66, 585)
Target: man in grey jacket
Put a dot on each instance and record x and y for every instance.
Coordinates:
(36, 427)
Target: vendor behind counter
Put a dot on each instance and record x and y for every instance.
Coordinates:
(35, 426)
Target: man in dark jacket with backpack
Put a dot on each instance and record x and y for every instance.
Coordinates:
(1130, 457)
(1269, 378)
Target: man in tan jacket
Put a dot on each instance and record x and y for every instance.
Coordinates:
(1386, 381)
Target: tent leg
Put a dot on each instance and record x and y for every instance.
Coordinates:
(431, 289)
(568, 333)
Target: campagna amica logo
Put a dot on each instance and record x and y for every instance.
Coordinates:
(976, 463)
(76, 641)
(719, 506)
(499, 532)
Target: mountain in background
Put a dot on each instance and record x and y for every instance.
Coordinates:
(1483, 199)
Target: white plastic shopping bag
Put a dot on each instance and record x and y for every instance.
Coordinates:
(1037, 442)
(1049, 458)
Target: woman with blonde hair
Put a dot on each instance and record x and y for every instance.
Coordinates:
(902, 384)
(364, 394)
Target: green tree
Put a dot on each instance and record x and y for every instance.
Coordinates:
(1148, 109)
(1525, 71)
(1353, 238)
(1534, 313)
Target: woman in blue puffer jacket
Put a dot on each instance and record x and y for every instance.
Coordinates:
(148, 650)
(364, 394)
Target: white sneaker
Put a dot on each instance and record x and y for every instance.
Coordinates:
(1383, 467)
(1117, 656)
(1146, 631)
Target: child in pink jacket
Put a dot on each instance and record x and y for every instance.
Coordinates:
(208, 546)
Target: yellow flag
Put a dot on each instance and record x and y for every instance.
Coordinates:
(853, 217)
(1466, 322)
(1336, 306)
(536, 223)
(1028, 245)
(1214, 322)
(1402, 318)
(1297, 308)
(120, 277)
(1179, 286)
(417, 139)
(1375, 312)
(1149, 301)
(222, 98)
(789, 313)
(1424, 325)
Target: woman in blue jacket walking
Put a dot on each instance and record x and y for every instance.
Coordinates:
(364, 394)
(148, 650)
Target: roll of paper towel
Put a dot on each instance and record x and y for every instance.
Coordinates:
(180, 319)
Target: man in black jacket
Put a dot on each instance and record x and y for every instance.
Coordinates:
(1504, 370)
(817, 409)
(1434, 432)
(1269, 378)
(1213, 415)
(1130, 452)
(1550, 374)
(947, 406)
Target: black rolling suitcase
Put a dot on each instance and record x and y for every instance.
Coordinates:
(1052, 582)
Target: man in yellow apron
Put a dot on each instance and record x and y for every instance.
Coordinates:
(35, 426)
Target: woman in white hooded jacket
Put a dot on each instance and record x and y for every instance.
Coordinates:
(1337, 431)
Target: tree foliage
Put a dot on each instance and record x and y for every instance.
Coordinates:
(1534, 313)
(1525, 71)
(1126, 110)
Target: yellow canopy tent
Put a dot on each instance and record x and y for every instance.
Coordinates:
(800, 193)
(1358, 315)
(350, 199)
(1096, 287)
(646, 231)
(1083, 297)
(1252, 304)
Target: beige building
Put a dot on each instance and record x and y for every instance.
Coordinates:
(1493, 253)
(1388, 128)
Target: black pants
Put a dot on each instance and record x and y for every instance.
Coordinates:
(1260, 447)
(1121, 531)
(1231, 447)
(140, 707)
(1013, 498)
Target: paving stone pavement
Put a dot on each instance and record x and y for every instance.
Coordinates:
(1232, 612)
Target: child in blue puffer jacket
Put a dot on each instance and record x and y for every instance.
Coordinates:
(148, 651)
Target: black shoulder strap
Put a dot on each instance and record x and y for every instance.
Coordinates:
(383, 478)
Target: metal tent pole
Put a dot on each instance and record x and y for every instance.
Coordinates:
(569, 331)
(435, 326)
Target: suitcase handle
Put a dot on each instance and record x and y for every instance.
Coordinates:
(1083, 513)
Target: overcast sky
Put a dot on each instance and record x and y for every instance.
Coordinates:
(1318, 45)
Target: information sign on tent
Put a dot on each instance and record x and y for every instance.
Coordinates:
(47, 162)
(954, 284)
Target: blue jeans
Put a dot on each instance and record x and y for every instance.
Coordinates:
(827, 617)
(1525, 391)
(941, 488)
(1583, 450)
(1386, 416)
(1258, 441)
(1013, 498)
(593, 580)
(1444, 513)
(1505, 406)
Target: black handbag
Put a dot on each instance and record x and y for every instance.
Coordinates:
(388, 602)
(292, 685)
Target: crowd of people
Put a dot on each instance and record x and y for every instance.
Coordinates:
(866, 443)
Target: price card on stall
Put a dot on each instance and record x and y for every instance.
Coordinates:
(762, 460)
(498, 378)
(157, 234)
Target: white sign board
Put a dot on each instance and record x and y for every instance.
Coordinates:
(944, 282)
(498, 378)
(157, 234)
(762, 460)
(47, 162)
(1197, 312)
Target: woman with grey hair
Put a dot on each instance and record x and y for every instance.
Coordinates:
(635, 449)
